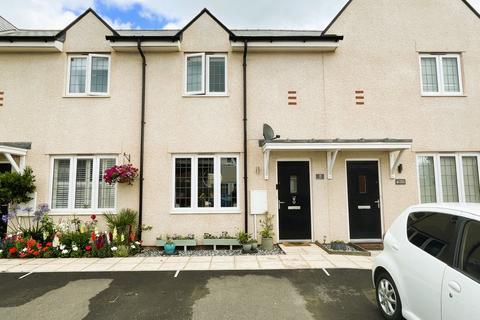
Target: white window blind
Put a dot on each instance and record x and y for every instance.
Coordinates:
(74, 186)
(61, 183)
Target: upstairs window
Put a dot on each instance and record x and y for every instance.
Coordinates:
(88, 75)
(441, 74)
(205, 74)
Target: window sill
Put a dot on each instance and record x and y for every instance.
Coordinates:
(86, 212)
(205, 212)
(205, 95)
(424, 95)
(86, 96)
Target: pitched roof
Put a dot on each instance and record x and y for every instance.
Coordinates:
(467, 3)
(170, 35)
(5, 24)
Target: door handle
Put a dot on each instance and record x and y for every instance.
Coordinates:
(377, 202)
(455, 286)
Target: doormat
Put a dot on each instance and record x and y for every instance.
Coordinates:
(296, 244)
(371, 246)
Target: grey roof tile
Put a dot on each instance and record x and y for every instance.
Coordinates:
(5, 24)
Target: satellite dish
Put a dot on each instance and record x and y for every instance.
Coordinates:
(268, 133)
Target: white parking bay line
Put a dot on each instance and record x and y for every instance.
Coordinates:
(176, 273)
(326, 272)
(25, 275)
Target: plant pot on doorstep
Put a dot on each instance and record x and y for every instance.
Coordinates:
(254, 245)
(341, 246)
(267, 243)
(169, 248)
(247, 247)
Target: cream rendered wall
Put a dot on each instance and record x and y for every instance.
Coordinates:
(37, 111)
(380, 55)
(177, 124)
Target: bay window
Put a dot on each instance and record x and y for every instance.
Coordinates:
(206, 74)
(440, 74)
(88, 75)
(77, 183)
(449, 177)
(205, 183)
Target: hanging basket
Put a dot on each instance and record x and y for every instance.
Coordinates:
(124, 173)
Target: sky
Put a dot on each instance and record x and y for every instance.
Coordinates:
(174, 14)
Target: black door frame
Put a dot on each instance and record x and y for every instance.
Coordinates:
(377, 160)
(310, 194)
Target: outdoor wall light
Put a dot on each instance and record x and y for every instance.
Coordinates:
(400, 168)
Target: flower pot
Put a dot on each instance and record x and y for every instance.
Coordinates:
(338, 246)
(169, 248)
(254, 245)
(247, 247)
(267, 243)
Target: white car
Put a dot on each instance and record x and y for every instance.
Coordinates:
(430, 265)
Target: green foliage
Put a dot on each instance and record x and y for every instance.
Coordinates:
(104, 252)
(78, 238)
(243, 237)
(267, 226)
(125, 222)
(17, 187)
(122, 251)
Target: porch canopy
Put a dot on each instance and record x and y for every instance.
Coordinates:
(395, 147)
(15, 149)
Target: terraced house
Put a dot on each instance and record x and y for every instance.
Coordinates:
(377, 112)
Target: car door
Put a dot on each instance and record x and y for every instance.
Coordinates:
(461, 285)
(430, 247)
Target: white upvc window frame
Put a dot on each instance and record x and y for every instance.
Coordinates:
(88, 76)
(440, 79)
(72, 185)
(194, 209)
(438, 175)
(207, 73)
(205, 91)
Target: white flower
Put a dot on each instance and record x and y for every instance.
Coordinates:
(10, 235)
(56, 242)
(1, 251)
(64, 251)
(62, 247)
(24, 249)
(19, 233)
(132, 246)
(114, 248)
(137, 243)
(75, 248)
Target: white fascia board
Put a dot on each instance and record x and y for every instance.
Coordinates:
(337, 146)
(146, 46)
(29, 46)
(286, 46)
(13, 150)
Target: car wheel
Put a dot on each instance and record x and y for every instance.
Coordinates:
(388, 299)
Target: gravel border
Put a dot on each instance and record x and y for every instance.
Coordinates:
(154, 252)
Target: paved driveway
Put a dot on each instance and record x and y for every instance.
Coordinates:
(265, 294)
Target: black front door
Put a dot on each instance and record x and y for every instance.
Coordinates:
(364, 200)
(294, 200)
(4, 167)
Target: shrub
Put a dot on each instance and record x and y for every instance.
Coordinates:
(125, 223)
(16, 188)
(267, 226)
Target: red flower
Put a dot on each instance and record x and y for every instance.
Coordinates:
(31, 243)
(22, 255)
(36, 253)
(12, 250)
(48, 244)
(88, 248)
(93, 217)
(94, 237)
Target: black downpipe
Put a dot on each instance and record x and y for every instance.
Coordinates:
(245, 166)
(142, 142)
